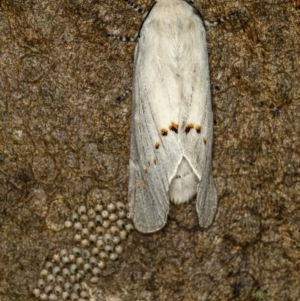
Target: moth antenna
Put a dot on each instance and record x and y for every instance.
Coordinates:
(135, 7)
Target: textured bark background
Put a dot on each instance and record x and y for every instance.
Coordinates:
(63, 138)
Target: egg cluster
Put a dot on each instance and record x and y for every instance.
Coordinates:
(99, 232)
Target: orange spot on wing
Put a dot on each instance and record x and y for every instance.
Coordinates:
(188, 127)
(198, 129)
(173, 127)
(164, 132)
(156, 145)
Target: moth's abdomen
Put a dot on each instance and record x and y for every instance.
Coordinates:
(183, 186)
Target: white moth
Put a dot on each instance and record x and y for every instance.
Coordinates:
(172, 119)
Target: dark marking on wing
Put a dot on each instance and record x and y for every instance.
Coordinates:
(188, 127)
(173, 127)
(156, 145)
(198, 129)
(164, 132)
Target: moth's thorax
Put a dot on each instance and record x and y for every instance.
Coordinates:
(169, 34)
(169, 2)
(171, 16)
(179, 7)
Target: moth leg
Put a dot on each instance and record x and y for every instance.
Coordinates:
(123, 95)
(135, 7)
(127, 38)
(123, 38)
(221, 20)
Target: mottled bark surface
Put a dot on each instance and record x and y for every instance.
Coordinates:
(63, 139)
